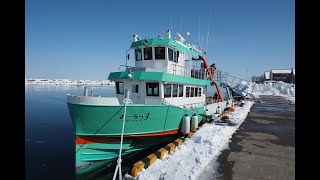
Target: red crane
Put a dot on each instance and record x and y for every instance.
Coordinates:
(210, 70)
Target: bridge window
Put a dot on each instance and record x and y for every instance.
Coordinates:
(138, 54)
(147, 53)
(195, 91)
(167, 90)
(192, 92)
(200, 91)
(159, 52)
(187, 91)
(170, 54)
(152, 89)
(180, 90)
(175, 56)
(175, 90)
(135, 88)
(120, 87)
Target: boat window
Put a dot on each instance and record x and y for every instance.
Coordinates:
(135, 88)
(200, 91)
(152, 89)
(175, 90)
(167, 90)
(159, 52)
(147, 53)
(170, 54)
(175, 56)
(187, 91)
(120, 87)
(195, 91)
(138, 54)
(180, 90)
(192, 92)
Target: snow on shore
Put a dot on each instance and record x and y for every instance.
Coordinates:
(276, 89)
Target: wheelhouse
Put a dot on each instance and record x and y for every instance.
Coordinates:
(164, 70)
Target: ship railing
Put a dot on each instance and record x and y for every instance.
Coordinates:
(227, 78)
(127, 68)
(95, 100)
(188, 72)
(192, 105)
(187, 107)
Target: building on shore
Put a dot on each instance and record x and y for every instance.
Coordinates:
(284, 75)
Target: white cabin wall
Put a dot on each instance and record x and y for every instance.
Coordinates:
(157, 65)
(166, 65)
(148, 63)
(138, 64)
(160, 64)
(140, 97)
(136, 98)
(152, 99)
(188, 102)
(180, 68)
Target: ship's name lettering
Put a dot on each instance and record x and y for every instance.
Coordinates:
(137, 117)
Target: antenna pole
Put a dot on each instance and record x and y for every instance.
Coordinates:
(208, 31)
(171, 24)
(199, 32)
(202, 43)
(181, 24)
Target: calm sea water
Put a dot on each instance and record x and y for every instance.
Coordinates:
(49, 136)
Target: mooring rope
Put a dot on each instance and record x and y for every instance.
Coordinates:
(118, 167)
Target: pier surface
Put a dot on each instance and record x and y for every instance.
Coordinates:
(264, 145)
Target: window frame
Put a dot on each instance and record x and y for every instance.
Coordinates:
(188, 89)
(169, 54)
(152, 93)
(118, 87)
(165, 95)
(136, 88)
(136, 55)
(192, 92)
(180, 87)
(155, 53)
(175, 85)
(175, 56)
(146, 51)
(195, 91)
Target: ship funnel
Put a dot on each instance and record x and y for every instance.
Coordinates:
(168, 33)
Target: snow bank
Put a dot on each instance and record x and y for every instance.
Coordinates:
(278, 88)
(189, 160)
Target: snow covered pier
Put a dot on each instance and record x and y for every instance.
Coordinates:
(188, 160)
(264, 147)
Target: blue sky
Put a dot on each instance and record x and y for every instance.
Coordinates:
(88, 39)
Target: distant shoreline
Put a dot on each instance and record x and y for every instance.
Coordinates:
(67, 82)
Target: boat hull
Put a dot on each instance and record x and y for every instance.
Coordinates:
(98, 128)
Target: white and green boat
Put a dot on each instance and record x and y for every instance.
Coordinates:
(163, 86)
